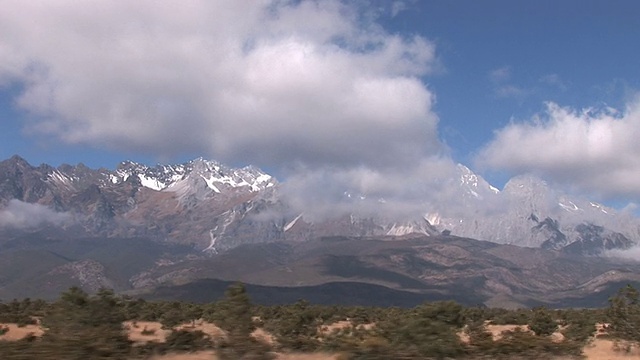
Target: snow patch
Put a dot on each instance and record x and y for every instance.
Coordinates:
(60, 179)
(210, 184)
(433, 218)
(212, 242)
(599, 207)
(291, 223)
(150, 183)
(570, 206)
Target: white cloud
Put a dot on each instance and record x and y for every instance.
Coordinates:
(18, 214)
(591, 150)
(264, 82)
(628, 254)
(397, 7)
(432, 183)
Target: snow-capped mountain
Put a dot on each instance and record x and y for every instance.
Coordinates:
(181, 203)
(216, 176)
(527, 212)
(213, 207)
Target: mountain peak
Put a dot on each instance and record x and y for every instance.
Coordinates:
(525, 183)
(474, 184)
(18, 161)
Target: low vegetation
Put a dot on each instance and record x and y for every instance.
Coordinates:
(107, 326)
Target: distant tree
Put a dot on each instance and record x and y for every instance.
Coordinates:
(183, 340)
(580, 324)
(171, 313)
(427, 331)
(233, 312)
(84, 327)
(542, 322)
(480, 340)
(193, 312)
(234, 315)
(624, 315)
(296, 326)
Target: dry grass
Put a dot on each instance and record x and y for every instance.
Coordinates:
(16, 333)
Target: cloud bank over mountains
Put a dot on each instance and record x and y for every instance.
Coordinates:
(318, 91)
(590, 149)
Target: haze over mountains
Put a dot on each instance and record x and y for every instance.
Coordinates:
(188, 217)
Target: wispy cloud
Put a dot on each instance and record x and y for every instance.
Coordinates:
(18, 214)
(628, 254)
(500, 75)
(503, 87)
(397, 7)
(554, 80)
(510, 91)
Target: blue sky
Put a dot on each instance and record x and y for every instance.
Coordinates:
(577, 53)
(362, 87)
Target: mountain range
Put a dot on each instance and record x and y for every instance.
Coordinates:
(178, 223)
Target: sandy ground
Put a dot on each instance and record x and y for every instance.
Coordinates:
(342, 325)
(16, 333)
(603, 349)
(599, 349)
(497, 330)
(263, 336)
